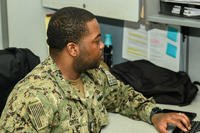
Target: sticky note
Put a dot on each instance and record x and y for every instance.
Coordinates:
(171, 50)
(172, 34)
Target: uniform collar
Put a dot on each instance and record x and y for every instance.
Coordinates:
(65, 85)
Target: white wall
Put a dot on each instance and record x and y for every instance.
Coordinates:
(26, 27)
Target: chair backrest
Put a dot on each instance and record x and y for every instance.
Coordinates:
(15, 63)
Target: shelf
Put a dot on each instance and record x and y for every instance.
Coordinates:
(166, 19)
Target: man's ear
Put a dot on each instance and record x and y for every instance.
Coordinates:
(72, 49)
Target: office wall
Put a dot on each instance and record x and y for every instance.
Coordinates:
(194, 54)
(115, 28)
(1, 42)
(26, 27)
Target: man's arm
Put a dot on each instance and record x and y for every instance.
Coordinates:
(25, 112)
(126, 101)
(123, 98)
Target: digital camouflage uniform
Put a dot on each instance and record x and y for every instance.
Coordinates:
(44, 102)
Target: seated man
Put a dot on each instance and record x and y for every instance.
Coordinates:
(71, 91)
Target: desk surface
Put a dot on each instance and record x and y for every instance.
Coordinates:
(121, 124)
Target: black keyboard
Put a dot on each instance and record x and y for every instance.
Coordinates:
(195, 128)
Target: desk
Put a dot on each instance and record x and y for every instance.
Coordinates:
(121, 124)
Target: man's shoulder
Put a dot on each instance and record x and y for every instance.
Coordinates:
(102, 75)
(42, 73)
(38, 80)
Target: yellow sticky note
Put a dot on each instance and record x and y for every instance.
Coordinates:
(47, 18)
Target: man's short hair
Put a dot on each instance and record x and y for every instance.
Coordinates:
(67, 25)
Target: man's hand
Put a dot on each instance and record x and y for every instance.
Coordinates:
(161, 121)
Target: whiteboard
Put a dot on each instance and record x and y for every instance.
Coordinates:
(116, 9)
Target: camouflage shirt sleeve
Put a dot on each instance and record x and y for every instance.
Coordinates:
(123, 99)
(32, 115)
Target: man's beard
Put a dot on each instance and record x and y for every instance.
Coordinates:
(82, 65)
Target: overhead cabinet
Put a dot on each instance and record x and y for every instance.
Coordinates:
(116, 9)
(152, 10)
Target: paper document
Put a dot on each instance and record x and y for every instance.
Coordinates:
(47, 19)
(162, 47)
(189, 11)
(134, 43)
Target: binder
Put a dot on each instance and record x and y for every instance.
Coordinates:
(181, 8)
(191, 12)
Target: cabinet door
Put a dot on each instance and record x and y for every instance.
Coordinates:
(117, 9)
(57, 4)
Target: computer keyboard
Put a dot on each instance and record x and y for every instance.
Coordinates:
(195, 128)
(191, 115)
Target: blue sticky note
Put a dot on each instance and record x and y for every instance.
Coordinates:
(172, 34)
(171, 50)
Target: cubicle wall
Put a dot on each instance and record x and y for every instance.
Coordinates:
(190, 25)
(1, 42)
(3, 24)
(194, 53)
(114, 27)
(26, 26)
